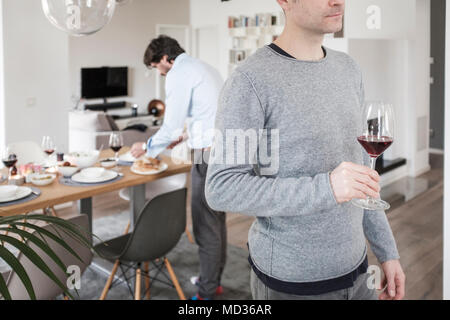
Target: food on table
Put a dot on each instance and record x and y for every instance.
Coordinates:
(147, 164)
(43, 178)
(67, 164)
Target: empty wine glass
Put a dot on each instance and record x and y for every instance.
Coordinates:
(377, 135)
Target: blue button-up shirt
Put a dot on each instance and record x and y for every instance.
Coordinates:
(192, 91)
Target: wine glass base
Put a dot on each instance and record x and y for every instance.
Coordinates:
(371, 204)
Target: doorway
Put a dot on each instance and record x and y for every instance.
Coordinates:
(437, 70)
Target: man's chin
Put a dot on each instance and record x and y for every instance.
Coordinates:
(332, 29)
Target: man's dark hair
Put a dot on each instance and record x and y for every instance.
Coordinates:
(161, 46)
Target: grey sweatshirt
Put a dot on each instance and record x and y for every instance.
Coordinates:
(311, 112)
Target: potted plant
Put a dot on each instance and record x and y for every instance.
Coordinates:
(19, 232)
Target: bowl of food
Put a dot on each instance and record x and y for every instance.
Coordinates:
(42, 179)
(7, 192)
(92, 173)
(108, 163)
(67, 169)
(83, 159)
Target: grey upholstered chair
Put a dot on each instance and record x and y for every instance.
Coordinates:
(44, 287)
(158, 229)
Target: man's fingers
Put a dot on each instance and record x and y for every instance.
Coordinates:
(364, 170)
(362, 178)
(366, 190)
(400, 287)
(391, 290)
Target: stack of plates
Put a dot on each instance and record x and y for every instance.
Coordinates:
(9, 193)
(107, 175)
(127, 157)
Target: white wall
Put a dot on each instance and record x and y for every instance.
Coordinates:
(384, 72)
(212, 13)
(398, 71)
(123, 42)
(447, 162)
(419, 90)
(35, 66)
(2, 89)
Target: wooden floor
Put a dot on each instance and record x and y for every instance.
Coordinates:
(416, 224)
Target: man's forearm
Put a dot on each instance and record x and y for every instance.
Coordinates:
(380, 237)
(234, 189)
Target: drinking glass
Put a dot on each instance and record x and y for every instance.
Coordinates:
(48, 147)
(9, 159)
(377, 135)
(116, 143)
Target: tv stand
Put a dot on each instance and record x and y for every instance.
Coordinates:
(105, 106)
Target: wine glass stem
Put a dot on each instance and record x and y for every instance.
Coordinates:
(117, 155)
(373, 161)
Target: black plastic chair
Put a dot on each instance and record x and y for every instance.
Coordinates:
(158, 229)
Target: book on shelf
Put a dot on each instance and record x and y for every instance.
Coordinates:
(259, 20)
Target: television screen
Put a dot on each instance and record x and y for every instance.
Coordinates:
(104, 82)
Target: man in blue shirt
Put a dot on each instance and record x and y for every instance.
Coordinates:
(192, 91)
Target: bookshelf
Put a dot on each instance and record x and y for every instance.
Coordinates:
(247, 34)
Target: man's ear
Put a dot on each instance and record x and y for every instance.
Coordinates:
(165, 59)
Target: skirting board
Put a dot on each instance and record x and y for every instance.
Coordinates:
(436, 151)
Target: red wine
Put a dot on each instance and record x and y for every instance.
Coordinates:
(116, 149)
(9, 163)
(375, 145)
(49, 151)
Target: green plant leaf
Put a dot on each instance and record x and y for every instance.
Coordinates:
(49, 235)
(35, 259)
(4, 292)
(41, 244)
(14, 263)
(67, 227)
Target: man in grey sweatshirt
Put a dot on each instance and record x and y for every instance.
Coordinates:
(303, 102)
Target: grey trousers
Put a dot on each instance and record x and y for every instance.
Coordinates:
(209, 231)
(359, 291)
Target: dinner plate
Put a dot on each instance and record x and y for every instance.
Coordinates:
(22, 192)
(127, 157)
(163, 166)
(106, 176)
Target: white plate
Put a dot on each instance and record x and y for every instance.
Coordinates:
(162, 168)
(106, 176)
(127, 157)
(21, 193)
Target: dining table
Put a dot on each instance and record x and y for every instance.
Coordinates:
(58, 193)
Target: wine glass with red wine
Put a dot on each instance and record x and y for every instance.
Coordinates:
(48, 147)
(9, 159)
(116, 143)
(377, 135)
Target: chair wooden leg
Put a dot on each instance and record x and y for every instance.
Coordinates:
(110, 280)
(53, 211)
(189, 235)
(137, 290)
(174, 280)
(113, 273)
(147, 280)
